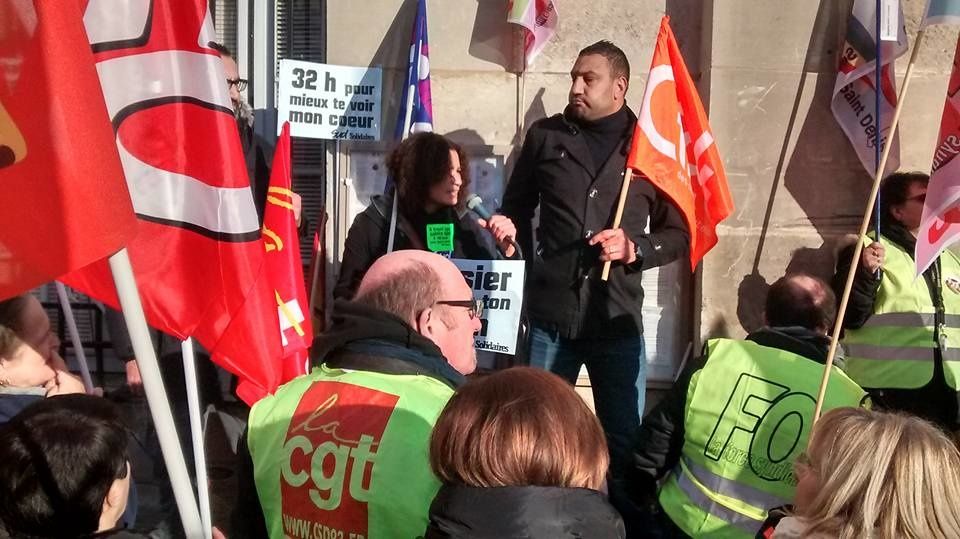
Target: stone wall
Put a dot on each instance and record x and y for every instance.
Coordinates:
(765, 68)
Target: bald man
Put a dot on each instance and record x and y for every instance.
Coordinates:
(344, 449)
(727, 435)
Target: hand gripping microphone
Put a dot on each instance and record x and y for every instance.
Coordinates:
(475, 204)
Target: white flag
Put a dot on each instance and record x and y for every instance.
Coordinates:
(855, 94)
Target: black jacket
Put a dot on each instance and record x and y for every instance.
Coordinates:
(367, 240)
(935, 401)
(577, 199)
(528, 512)
(662, 432)
(360, 338)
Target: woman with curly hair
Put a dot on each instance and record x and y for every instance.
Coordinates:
(432, 179)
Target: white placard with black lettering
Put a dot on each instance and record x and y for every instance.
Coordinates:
(330, 102)
(499, 283)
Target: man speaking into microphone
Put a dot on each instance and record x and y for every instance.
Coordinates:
(572, 165)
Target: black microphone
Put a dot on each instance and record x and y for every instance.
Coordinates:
(475, 204)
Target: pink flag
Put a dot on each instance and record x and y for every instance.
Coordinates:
(540, 19)
(940, 225)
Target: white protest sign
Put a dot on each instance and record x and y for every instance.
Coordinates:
(330, 102)
(499, 283)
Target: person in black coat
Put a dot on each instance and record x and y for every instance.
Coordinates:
(520, 455)
(432, 178)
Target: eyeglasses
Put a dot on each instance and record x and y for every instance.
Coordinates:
(474, 305)
(241, 84)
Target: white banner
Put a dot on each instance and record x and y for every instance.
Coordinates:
(855, 94)
(499, 283)
(330, 102)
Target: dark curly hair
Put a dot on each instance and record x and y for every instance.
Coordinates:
(419, 163)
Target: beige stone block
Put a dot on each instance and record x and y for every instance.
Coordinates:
(378, 34)
(463, 35)
(479, 106)
(778, 35)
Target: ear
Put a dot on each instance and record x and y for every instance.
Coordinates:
(116, 496)
(621, 85)
(897, 212)
(426, 323)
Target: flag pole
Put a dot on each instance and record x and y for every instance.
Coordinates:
(196, 434)
(621, 202)
(864, 225)
(156, 394)
(75, 337)
(396, 192)
(876, 97)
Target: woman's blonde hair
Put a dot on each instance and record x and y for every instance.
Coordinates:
(519, 427)
(882, 474)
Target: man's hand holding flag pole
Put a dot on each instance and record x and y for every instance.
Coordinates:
(674, 149)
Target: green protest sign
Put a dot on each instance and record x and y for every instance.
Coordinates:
(440, 237)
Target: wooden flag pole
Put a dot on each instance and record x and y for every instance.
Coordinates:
(621, 202)
(864, 225)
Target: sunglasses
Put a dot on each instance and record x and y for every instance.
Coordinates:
(921, 198)
(241, 84)
(475, 306)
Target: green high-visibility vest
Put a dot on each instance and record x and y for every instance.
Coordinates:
(748, 415)
(345, 454)
(896, 346)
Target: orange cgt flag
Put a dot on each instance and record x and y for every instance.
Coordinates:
(674, 147)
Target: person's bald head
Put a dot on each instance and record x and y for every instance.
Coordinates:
(409, 284)
(801, 300)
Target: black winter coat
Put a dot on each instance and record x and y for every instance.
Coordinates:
(577, 199)
(528, 512)
(368, 235)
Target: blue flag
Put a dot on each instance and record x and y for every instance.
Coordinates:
(418, 81)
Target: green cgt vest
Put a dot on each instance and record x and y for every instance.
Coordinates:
(748, 416)
(896, 347)
(344, 454)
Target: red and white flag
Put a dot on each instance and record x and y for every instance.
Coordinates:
(854, 93)
(65, 201)
(540, 18)
(674, 148)
(284, 269)
(197, 255)
(940, 224)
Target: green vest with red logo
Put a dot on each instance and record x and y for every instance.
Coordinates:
(748, 415)
(896, 346)
(345, 454)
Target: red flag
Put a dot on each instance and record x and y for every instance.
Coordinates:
(284, 270)
(674, 147)
(65, 200)
(198, 254)
(940, 223)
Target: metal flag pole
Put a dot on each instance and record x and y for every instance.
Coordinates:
(196, 434)
(75, 337)
(156, 394)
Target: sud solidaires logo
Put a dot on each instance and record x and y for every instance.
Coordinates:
(329, 453)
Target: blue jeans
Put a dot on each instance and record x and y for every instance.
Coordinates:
(618, 376)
